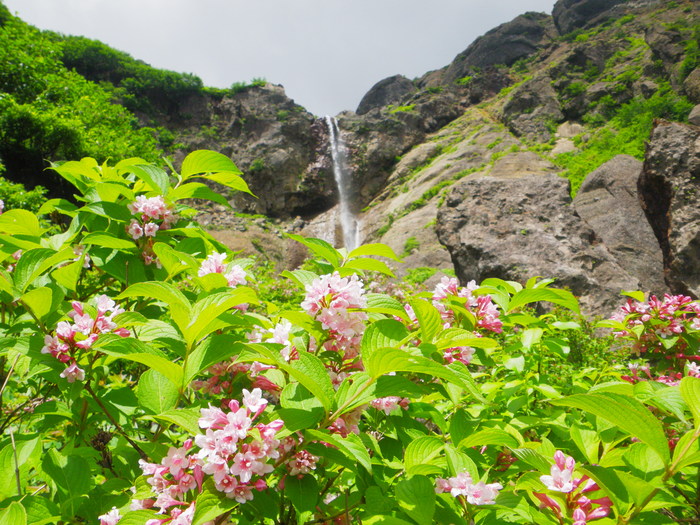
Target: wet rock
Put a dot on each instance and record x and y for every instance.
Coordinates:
(608, 201)
(388, 91)
(570, 15)
(520, 227)
(691, 85)
(507, 43)
(670, 191)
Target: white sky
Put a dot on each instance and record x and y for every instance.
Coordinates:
(326, 53)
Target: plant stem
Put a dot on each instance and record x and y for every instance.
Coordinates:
(14, 451)
(143, 455)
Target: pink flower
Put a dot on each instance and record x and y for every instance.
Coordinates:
(302, 463)
(176, 460)
(561, 474)
(111, 518)
(254, 401)
(483, 494)
(389, 404)
(73, 372)
(150, 229)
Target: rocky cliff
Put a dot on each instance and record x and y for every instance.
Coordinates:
(531, 153)
(473, 168)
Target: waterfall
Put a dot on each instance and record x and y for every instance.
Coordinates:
(341, 172)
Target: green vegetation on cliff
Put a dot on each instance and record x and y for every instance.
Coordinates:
(48, 112)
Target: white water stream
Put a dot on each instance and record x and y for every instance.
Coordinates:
(341, 170)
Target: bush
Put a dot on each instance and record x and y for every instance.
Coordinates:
(145, 372)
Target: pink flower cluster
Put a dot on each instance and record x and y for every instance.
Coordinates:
(71, 339)
(462, 485)
(561, 479)
(152, 214)
(216, 263)
(661, 319)
(234, 451)
(481, 306)
(389, 404)
(334, 300)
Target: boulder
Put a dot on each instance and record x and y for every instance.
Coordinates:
(670, 188)
(609, 203)
(507, 43)
(531, 108)
(570, 15)
(694, 116)
(388, 91)
(523, 227)
(691, 85)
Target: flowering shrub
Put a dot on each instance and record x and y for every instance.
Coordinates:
(146, 379)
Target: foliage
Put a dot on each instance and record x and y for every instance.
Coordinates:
(47, 112)
(626, 133)
(147, 369)
(410, 246)
(144, 88)
(392, 109)
(14, 195)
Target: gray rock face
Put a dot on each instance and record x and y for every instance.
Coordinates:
(519, 38)
(281, 148)
(670, 190)
(609, 203)
(694, 116)
(531, 107)
(570, 15)
(520, 227)
(691, 85)
(388, 91)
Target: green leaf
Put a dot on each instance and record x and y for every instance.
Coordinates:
(212, 350)
(302, 277)
(197, 190)
(165, 292)
(153, 176)
(303, 492)
(375, 249)
(531, 336)
(428, 318)
(156, 392)
(206, 161)
(416, 496)
(40, 510)
(357, 389)
(533, 458)
(385, 333)
(384, 304)
(172, 371)
(20, 222)
(384, 520)
(230, 180)
(39, 301)
(421, 451)
(372, 265)
(319, 248)
(174, 261)
(489, 436)
(13, 514)
(625, 413)
(71, 475)
(310, 372)
(351, 446)
(107, 240)
(139, 517)
(210, 307)
(186, 418)
(609, 480)
(552, 295)
(68, 275)
(690, 390)
(211, 504)
(35, 262)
